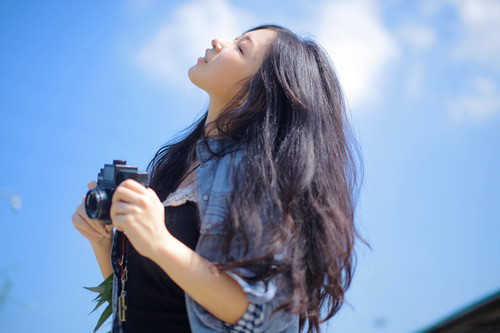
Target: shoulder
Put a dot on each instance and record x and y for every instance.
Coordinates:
(207, 149)
(221, 158)
(216, 179)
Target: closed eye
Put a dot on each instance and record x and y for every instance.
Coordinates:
(241, 50)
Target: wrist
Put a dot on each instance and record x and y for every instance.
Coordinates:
(165, 247)
(103, 244)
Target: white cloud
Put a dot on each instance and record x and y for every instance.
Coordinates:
(429, 8)
(418, 38)
(482, 103)
(478, 43)
(415, 79)
(178, 43)
(417, 35)
(361, 47)
(481, 25)
(353, 34)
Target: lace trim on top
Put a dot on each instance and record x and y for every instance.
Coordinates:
(181, 195)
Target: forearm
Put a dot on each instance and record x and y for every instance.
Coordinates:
(102, 252)
(215, 291)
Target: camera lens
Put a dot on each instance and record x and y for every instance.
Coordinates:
(98, 204)
(91, 204)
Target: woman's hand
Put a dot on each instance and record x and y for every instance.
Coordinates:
(94, 230)
(138, 212)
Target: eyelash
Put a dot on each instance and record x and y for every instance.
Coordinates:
(239, 47)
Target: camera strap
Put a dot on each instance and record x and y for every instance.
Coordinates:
(124, 272)
(123, 277)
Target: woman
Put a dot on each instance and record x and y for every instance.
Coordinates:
(261, 235)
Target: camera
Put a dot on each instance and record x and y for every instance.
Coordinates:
(98, 199)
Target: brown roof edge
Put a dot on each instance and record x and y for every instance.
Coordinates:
(483, 314)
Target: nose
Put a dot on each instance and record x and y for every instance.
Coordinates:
(217, 44)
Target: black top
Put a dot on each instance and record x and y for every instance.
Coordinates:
(154, 302)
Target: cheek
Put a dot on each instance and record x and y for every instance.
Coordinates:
(220, 75)
(227, 70)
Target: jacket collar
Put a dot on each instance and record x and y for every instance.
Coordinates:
(217, 145)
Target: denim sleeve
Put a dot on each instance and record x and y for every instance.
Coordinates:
(268, 296)
(264, 297)
(251, 320)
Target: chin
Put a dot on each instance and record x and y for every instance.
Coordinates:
(195, 79)
(192, 75)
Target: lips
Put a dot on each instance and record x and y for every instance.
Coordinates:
(205, 58)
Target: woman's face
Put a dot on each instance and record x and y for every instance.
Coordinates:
(229, 63)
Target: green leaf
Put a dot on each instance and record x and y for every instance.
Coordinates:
(104, 316)
(105, 294)
(101, 302)
(108, 280)
(102, 287)
(97, 289)
(105, 297)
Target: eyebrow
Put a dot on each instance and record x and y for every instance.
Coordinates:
(245, 38)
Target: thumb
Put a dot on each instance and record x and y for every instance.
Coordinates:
(92, 184)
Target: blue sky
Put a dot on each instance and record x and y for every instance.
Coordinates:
(83, 83)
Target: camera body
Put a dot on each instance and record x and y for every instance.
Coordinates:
(98, 199)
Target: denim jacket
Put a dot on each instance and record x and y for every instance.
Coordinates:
(214, 185)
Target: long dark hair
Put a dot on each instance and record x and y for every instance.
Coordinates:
(301, 156)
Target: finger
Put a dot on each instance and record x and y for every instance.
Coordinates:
(123, 208)
(154, 195)
(81, 210)
(133, 185)
(152, 192)
(125, 194)
(82, 226)
(97, 225)
(92, 184)
(121, 222)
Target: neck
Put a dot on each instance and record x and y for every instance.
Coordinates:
(214, 109)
